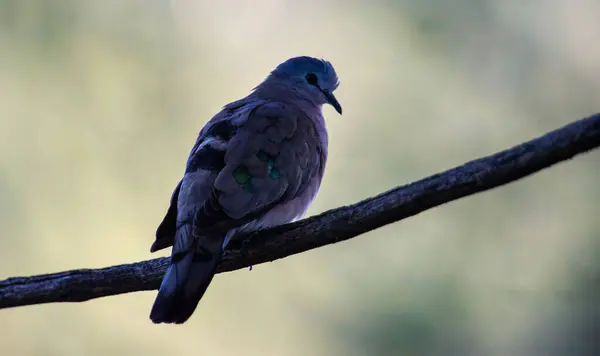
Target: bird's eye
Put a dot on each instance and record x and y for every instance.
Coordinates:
(312, 79)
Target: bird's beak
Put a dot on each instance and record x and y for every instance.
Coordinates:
(333, 101)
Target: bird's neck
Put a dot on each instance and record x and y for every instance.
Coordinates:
(274, 89)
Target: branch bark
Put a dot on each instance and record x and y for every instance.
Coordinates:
(327, 228)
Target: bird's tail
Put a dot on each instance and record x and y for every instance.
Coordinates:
(186, 280)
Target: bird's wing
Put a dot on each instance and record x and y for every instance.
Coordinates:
(165, 234)
(245, 164)
(269, 160)
(218, 127)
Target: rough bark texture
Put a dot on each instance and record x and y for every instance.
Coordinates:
(330, 227)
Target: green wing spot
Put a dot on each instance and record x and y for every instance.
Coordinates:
(242, 175)
(274, 173)
(270, 160)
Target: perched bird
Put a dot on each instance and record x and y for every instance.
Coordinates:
(257, 163)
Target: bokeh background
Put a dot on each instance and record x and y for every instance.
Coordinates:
(100, 102)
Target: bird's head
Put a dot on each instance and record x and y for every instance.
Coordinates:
(311, 78)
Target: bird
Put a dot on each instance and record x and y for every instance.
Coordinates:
(257, 163)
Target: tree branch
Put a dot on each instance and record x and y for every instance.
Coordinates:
(327, 228)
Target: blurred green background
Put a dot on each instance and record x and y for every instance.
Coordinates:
(100, 102)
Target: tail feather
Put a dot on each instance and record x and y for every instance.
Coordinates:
(184, 284)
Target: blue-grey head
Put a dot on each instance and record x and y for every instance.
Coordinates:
(310, 78)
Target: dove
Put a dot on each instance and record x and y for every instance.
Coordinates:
(257, 163)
